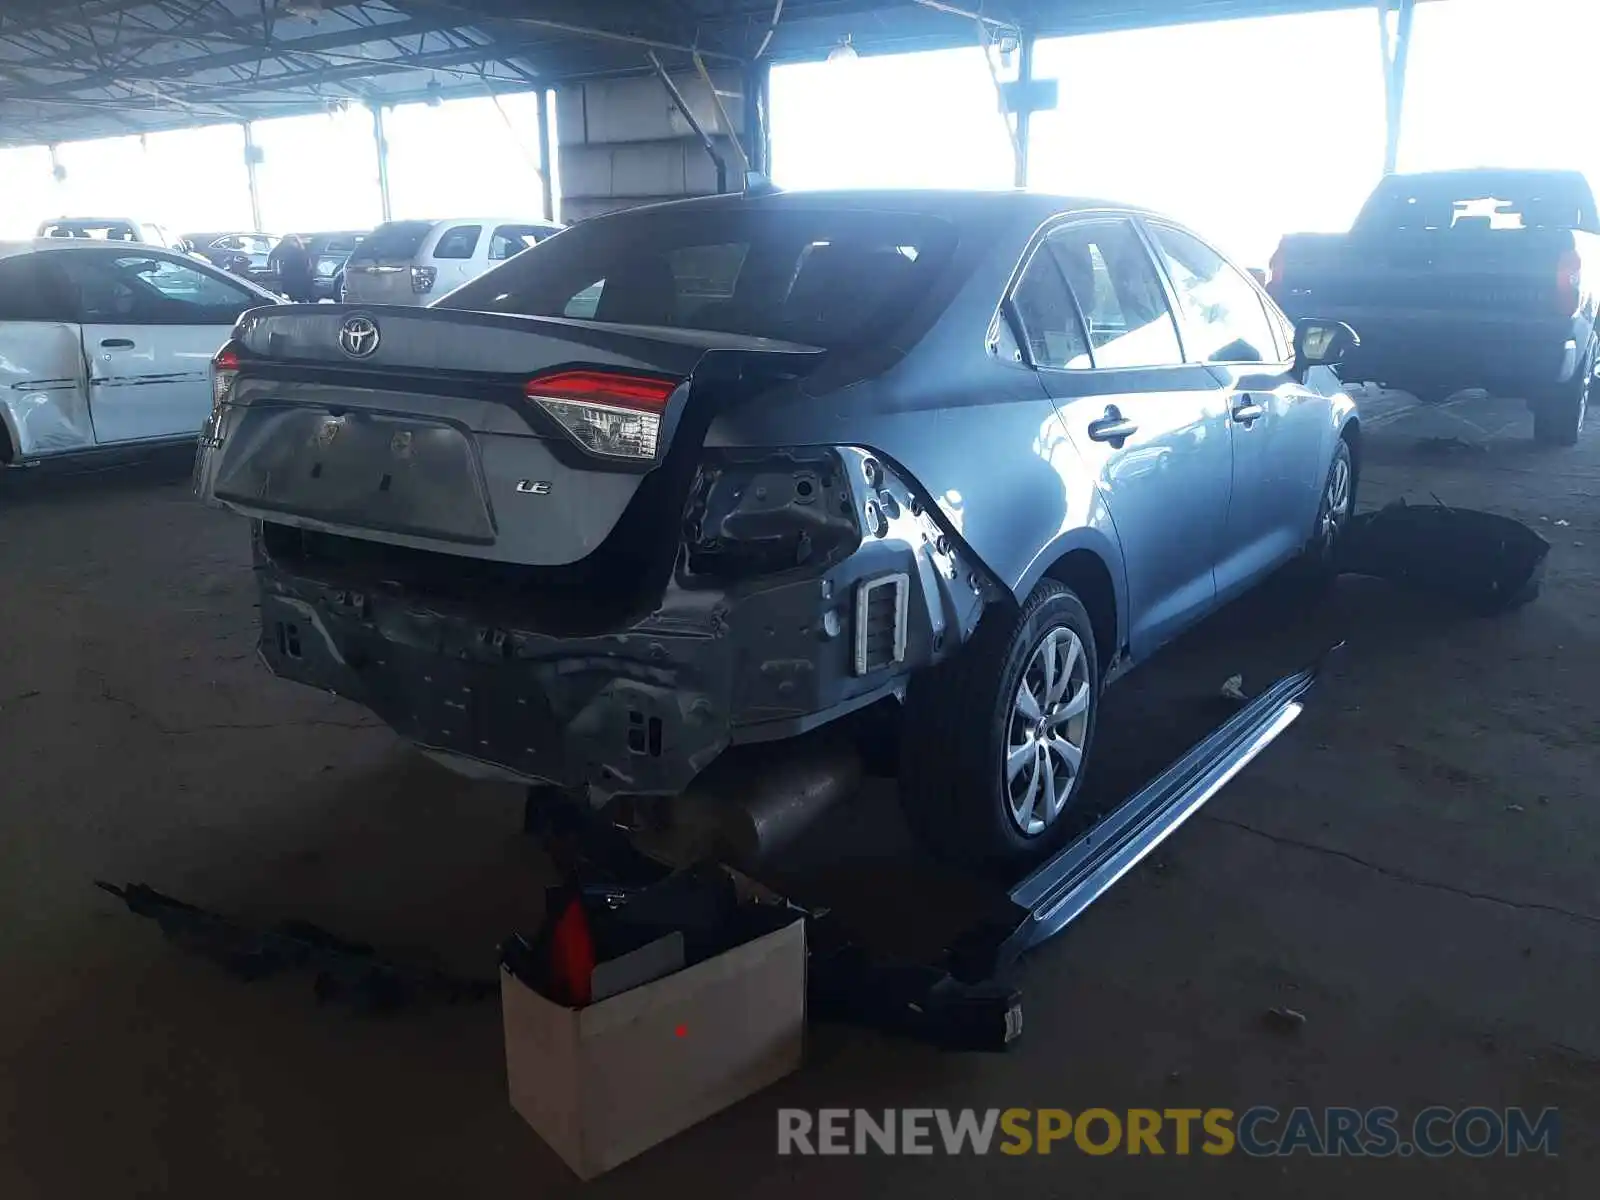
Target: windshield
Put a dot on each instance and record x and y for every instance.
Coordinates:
(397, 239)
(1470, 200)
(820, 277)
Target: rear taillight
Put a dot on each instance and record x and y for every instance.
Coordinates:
(1569, 270)
(422, 279)
(224, 369)
(609, 413)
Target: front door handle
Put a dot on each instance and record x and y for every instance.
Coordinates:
(1247, 411)
(117, 344)
(1113, 427)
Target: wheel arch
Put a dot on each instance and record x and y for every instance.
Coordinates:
(1350, 434)
(1088, 562)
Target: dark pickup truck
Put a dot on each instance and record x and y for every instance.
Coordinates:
(1481, 278)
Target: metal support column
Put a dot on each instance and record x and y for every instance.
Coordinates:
(382, 143)
(1024, 113)
(1395, 56)
(547, 192)
(252, 159)
(693, 122)
(757, 80)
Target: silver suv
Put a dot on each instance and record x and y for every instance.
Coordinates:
(415, 262)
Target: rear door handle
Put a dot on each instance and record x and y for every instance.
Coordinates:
(117, 344)
(1247, 410)
(1113, 427)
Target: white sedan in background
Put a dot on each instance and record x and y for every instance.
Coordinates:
(106, 345)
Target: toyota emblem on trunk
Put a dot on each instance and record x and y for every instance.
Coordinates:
(358, 337)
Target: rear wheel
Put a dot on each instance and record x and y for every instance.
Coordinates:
(997, 738)
(1558, 417)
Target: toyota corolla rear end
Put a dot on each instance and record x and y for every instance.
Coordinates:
(507, 536)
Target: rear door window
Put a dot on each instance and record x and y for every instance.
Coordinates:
(1223, 317)
(459, 242)
(1050, 325)
(1119, 293)
(511, 240)
(31, 290)
(125, 289)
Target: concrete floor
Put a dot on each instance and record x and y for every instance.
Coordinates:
(1413, 867)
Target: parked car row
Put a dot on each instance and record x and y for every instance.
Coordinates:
(108, 325)
(400, 262)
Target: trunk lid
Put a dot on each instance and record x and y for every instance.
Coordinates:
(416, 426)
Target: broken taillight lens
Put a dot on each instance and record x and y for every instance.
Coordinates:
(224, 370)
(609, 413)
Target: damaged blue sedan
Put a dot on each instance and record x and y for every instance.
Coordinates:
(720, 472)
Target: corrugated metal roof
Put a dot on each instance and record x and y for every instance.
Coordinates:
(105, 67)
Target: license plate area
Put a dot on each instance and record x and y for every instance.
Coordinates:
(393, 474)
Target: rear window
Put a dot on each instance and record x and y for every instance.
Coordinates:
(1480, 201)
(819, 277)
(337, 245)
(397, 239)
(104, 231)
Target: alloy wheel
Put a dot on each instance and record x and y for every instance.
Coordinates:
(1336, 501)
(1047, 731)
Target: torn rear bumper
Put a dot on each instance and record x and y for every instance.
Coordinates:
(494, 702)
(642, 708)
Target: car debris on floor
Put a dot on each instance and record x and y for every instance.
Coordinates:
(346, 972)
(622, 923)
(1480, 561)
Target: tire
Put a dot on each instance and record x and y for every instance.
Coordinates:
(964, 717)
(1558, 417)
(1319, 561)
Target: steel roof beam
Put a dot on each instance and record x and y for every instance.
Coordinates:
(185, 68)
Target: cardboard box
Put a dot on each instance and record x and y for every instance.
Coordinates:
(604, 1083)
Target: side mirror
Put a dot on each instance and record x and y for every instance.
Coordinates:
(1319, 343)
